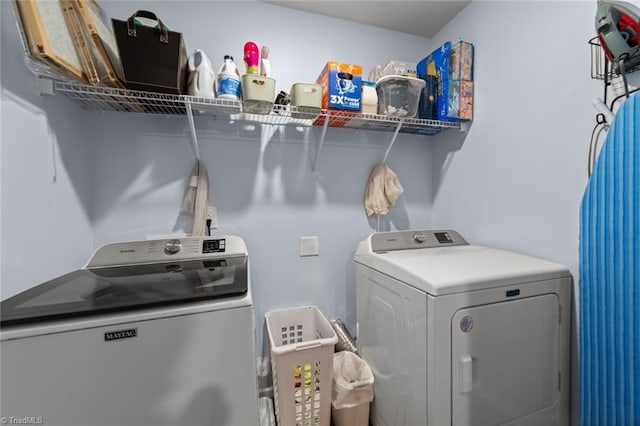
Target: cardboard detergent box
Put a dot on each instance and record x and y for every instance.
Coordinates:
(452, 65)
(459, 101)
(341, 91)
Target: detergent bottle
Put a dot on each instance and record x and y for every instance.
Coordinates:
(201, 76)
(228, 81)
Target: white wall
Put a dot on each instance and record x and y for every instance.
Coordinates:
(517, 180)
(263, 187)
(45, 229)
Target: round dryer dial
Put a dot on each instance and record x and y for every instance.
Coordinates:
(419, 238)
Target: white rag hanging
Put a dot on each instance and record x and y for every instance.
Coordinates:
(196, 200)
(383, 189)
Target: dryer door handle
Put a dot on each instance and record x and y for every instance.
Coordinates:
(465, 373)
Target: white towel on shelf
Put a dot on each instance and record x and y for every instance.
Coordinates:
(383, 189)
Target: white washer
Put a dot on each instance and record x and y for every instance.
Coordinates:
(457, 334)
(148, 333)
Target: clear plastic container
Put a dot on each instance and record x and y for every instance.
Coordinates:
(398, 96)
(407, 69)
(403, 68)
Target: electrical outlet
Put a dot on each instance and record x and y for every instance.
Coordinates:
(309, 246)
(212, 215)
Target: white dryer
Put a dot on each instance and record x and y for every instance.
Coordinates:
(458, 334)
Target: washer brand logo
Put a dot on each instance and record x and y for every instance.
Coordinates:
(120, 334)
(128, 251)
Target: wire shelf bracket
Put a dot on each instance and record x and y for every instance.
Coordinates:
(314, 164)
(393, 140)
(192, 131)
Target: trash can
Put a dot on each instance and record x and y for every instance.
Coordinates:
(352, 390)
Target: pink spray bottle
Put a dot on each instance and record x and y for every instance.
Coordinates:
(251, 57)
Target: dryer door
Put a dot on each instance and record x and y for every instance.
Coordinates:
(505, 360)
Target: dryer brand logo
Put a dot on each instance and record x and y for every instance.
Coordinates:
(120, 334)
(128, 251)
(466, 324)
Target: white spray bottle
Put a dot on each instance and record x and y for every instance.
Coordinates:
(265, 65)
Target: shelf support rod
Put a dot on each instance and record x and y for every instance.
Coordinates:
(192, 129)
(324, 132)
(393, 139)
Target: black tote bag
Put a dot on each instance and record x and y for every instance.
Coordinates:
(154, 59)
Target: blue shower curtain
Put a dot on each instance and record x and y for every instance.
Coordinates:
(610, 278)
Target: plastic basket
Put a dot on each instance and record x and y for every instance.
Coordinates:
(302, 342)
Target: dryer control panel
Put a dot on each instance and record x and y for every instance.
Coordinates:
(411, 240)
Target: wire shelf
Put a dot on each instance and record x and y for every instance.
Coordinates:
(103, 98)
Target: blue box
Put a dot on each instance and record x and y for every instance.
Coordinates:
(451, 64)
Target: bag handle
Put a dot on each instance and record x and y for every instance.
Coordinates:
(131, 26)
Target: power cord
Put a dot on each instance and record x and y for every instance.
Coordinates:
(601, 125)
(625, 95)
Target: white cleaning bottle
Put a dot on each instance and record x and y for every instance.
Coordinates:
(201, 76)
(228, 81)
(265, 65)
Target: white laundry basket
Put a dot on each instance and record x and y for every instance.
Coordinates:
(302, 342)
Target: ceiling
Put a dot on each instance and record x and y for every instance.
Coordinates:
(420, 17)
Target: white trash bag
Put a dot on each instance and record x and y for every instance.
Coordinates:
(352, 381)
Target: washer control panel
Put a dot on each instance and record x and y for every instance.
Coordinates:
(407, 240)
(182, 248)
(172, 247)
(213, 246)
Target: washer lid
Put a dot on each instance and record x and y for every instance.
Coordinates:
(447, 269)
(95, 291)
